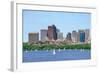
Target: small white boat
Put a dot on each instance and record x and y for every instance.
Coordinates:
(59, 50)
(36, 50)
(54, 52)
(47, 50)
(26, 51)
(82, 50)
(64, 49)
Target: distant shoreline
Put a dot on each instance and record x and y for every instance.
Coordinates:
(33, 47)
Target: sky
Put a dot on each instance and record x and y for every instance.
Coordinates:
(34, 21)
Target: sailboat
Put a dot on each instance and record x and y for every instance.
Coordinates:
(64, 49)
(47, 50)
(54, 52)
(36, 50)
(82, 50)
(59, 50)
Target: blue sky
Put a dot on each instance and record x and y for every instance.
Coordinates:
(34, 21)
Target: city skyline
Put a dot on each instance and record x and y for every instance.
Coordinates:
(82, 35)
(34, 21)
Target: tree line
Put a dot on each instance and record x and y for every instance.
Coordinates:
(27, 46)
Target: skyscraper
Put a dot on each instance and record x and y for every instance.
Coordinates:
(52, 32)
(87, 35)
(81, 36)
(60, 36)
(58, 31)
(33, 37)
(69, 36)
(43, 35)
(74, 36)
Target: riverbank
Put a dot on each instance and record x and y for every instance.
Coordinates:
(31, 47)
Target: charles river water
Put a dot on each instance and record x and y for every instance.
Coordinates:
(56, 55)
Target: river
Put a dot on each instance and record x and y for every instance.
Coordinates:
(56, 55)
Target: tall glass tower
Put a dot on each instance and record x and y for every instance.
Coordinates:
(82, 35)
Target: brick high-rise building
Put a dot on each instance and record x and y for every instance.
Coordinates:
(33, 37)
(52, 32)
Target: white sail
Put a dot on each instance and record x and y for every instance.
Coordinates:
(82, 50)
(59, 50)
(36, 50)
(54, 52)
